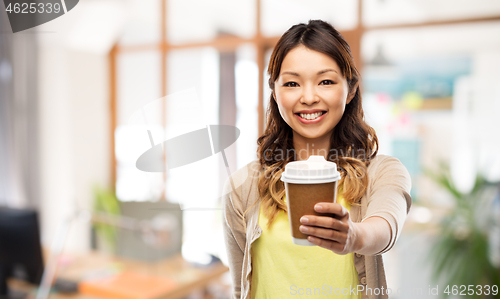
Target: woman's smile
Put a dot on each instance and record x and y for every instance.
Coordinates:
(311, 118)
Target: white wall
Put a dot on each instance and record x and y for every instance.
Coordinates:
(74, 114)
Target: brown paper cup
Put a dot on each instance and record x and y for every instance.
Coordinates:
(307, 183)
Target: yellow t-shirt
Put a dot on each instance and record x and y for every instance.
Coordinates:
(281, 269)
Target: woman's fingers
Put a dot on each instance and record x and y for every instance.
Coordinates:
(338, 220)
(335, 231)
(331, 208)
(323, 221)
(325, 233)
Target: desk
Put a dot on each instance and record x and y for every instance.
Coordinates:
(188, 277)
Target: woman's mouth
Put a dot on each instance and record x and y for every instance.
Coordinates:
(309, 118)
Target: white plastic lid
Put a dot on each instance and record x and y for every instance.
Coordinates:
(315, 170)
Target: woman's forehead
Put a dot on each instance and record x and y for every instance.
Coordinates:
(304, 60)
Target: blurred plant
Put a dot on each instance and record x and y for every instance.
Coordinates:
(460, 256)
(105, 201)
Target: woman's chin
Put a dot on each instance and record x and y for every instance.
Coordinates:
(311, 135)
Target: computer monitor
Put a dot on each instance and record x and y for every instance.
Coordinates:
(20, 248)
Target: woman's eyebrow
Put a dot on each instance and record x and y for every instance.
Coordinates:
(319, 73)
(326, 71)
(290, 73)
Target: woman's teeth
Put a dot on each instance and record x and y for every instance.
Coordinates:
(311, 116)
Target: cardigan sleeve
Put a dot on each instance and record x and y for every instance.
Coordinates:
(390, 196)
(234, 230)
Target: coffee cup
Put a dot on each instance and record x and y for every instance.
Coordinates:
(307, 183)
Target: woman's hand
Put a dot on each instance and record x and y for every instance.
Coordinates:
(336, 233)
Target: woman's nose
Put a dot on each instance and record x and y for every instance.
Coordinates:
(309, 95)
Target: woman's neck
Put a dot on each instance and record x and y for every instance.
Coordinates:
(305, 147)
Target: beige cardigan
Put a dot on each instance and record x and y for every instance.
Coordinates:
(387, 196)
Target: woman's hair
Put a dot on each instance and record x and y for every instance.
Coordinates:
(353, 142)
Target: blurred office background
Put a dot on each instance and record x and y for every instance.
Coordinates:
(80, 93)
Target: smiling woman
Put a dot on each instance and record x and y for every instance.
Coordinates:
(315, 109)
(312, 70)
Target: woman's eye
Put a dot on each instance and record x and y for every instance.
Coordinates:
(290, 84)
(326, 82)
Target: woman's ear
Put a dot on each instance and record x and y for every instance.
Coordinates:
(352, 92)
(350, 96)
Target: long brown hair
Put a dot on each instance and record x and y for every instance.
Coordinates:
(353, 142)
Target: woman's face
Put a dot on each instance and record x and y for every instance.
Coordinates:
(311, 93)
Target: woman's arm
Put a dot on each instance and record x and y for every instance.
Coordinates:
(375, 235)
(388, 205)
(389, 197)
(234, 235)
(342, 236)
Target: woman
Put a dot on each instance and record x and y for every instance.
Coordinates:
(315, 109)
